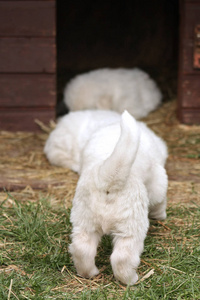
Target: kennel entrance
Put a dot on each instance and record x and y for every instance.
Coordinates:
(38, 56)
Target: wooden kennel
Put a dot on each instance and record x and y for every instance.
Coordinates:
(189, 62)
(28, 62)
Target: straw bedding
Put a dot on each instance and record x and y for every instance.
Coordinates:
(26, 173)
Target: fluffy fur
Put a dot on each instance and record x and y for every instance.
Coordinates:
(66, 142)
(122, 182)
(113, 89)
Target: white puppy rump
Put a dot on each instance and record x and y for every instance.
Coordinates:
(113, 89)
(64, 146)
(122, 182)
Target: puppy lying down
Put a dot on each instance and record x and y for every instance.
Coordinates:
(122, 182)
(113, 89)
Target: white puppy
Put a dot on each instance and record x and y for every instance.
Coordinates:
(66, 142)
(122, 181)
(113, 89)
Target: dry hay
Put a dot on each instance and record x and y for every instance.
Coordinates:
(183, 164)
(25, 171)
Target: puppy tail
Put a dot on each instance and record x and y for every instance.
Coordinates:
(116, 168)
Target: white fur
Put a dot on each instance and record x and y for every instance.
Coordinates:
(66, 142)
(122, 181)
(113, 89)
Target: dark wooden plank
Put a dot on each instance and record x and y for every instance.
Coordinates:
(191, 18)
(30, 18)
(32, 0)
(187, 52)
(27, 55)
(24, 119)
(190, 91)
(188, 78)
(189, 115)
(30, 90)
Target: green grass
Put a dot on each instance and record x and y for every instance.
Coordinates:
(35, 263)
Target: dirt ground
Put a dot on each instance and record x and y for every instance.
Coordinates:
(27, 175)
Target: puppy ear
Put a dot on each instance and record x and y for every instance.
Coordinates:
(116, 168)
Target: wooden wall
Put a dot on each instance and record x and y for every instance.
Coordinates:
(92, 34)
(189, 62)
(27, 63)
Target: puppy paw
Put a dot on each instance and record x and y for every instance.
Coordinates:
(134, 279)
(93, 272)
(88, 273)
(157, 215)
(128, 280)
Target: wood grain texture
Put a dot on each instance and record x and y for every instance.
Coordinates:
(191, 17)
(27, 55)
(188, 77)
(187, 52)
(27, 18)
(27, 90)
(24, 119)
(190, 91)
(189, 115)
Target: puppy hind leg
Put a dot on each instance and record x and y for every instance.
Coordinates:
(83, 249)
(158, 211)
(157, 191)
(126, 258)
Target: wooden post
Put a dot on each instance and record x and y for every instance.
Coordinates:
(189, 73)
(27, 63)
